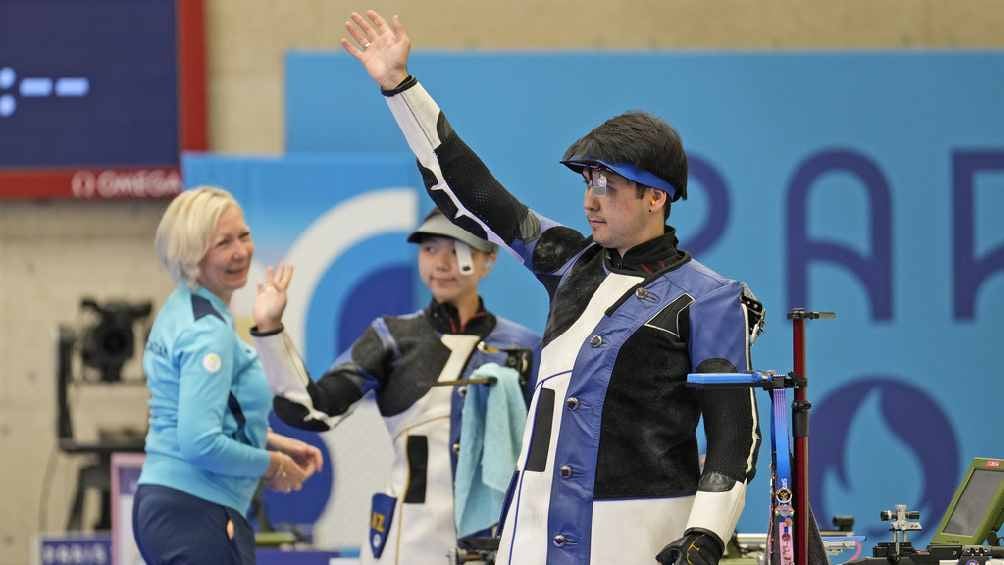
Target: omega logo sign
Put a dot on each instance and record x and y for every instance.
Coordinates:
(143, 183)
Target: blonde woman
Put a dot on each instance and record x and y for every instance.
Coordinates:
(208, 443)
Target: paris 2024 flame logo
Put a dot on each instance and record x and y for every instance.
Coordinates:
(877, 442)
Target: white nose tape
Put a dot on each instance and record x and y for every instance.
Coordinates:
(464, 260)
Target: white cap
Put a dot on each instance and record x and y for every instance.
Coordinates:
(436, 224)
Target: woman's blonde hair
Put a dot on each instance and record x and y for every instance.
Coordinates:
(183, 236)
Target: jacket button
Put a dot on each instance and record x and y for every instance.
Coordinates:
(572, 403)
(456, 447)
(559, 540)
(566, 471)
(640, 292)
(596, 340)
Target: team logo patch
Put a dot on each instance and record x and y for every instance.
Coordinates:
(381, 515)
(212, 362)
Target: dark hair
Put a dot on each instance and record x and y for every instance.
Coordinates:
(642, 140)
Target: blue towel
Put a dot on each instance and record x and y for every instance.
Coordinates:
(490, 439)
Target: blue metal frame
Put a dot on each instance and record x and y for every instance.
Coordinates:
(783, 511)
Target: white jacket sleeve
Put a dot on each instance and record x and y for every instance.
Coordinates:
(291, 384)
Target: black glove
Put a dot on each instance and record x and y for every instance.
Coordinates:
(696, 547)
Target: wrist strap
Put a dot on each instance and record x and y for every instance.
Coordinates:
(256, 333)
(408, 82)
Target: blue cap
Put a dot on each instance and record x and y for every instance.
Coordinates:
(626, 170)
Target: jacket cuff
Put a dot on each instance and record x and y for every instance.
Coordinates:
(256, 333)
(283, 368)
(718, 512)
(408, 82)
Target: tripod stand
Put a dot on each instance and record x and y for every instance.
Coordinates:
(789, 503)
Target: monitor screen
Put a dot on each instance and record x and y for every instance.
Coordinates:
(972, 508)
(98, 99)
(88, 84)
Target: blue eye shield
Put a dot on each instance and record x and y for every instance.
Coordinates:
(625, 170)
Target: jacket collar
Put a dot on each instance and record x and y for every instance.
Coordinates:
(653, 256)
(446, 320)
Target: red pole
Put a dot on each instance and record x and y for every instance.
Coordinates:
(800, 427)
(192, 76)
(800, 421)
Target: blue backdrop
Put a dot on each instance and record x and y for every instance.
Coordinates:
(868, 183)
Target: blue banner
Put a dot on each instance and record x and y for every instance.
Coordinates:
(868, 183)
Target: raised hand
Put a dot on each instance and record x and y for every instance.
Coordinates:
(382, 48)
(270, 301)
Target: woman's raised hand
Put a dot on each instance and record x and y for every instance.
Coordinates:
(270, 301)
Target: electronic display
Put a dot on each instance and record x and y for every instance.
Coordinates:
(971, 509)
(98, 98)
(977, 507)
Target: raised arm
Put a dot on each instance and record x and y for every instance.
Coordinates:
(299, 401)
(455, 177)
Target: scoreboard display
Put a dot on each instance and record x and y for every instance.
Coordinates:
(98, 99)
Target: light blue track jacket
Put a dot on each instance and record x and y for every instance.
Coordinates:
(193, 362)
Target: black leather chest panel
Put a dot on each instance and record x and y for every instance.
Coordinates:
(673, 319)
(422, 357)
(647, 444)
(572, 297)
